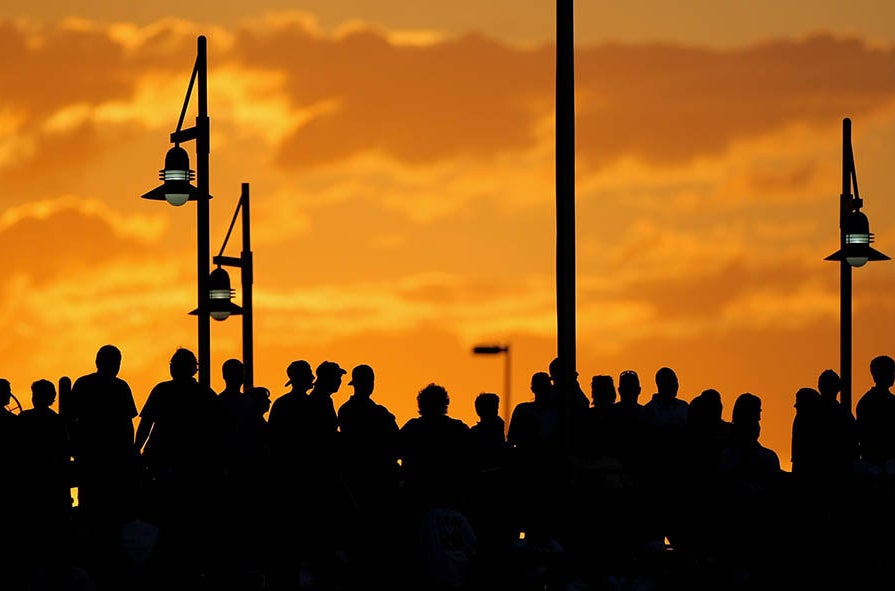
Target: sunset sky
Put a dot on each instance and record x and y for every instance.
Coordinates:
(400, 156)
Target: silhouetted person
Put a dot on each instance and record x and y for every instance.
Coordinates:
(534, 425)
(100, 412)
(604, 530)
(810, 447)
(46, 483)
(665, 422)
(753, 483)
(824, 451)
(286, 412)
(744, 456)
(254, 543)
(839, 424)
(238, 476)
(177, 434)
(11, 546)
(575, 394)
(573, 405)
(234, 403)
(369, 434)
(435, 452)
(320, 469)
(629, 414)
(707, 433)
(488, 433)
(235, 409)
(289, 445)
(489, 512)
(537, 459)
(599, 436)
(369, 442)
(436, 467)
(875, 418)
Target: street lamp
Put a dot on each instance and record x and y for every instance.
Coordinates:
(176, 189)
(854, 251)
(497, 350)
(220, 295)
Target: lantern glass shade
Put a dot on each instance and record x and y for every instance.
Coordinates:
(856, 249)
(176, 177)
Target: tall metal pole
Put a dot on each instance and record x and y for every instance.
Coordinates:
(565, 206)
(248, 355)
(565, 185)
(203, 148)
(845, 288)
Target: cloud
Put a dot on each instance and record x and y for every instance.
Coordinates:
(49, 240)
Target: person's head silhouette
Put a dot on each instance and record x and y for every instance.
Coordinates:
(233, 371)
(43, 393)
(329, 377)
(259, 398)
(184, 364)
(301, 377)
(432, 400)
(666, 383)
(708, 405)
(602, 388)
(746, 416)
(829, 384)
(487, 405)
(542, 386)
(108, 360)
(628, 386)
(362, 380)
(882, 368)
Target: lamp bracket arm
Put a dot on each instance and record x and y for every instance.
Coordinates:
(184, 135)
(186, 100)
(226, 261)
(232, 223)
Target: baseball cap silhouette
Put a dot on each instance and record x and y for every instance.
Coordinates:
(361, 373)
(329, 368)
(296, 369)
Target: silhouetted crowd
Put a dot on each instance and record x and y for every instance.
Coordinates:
(226, 490)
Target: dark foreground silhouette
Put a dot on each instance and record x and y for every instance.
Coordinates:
(605, 493)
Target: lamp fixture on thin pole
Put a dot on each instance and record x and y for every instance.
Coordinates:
(854, 251)
(176, 189)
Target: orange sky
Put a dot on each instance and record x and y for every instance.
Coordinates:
(401, 167)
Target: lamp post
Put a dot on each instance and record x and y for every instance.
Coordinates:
(220, 299)
(497, 350)
(854, 251)
(565, 201)
(177, 190)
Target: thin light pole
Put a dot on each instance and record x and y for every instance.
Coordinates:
(203, 149)
(845, 278)
(246, 274)
(565, 186)
(565, 207)
(245, 264)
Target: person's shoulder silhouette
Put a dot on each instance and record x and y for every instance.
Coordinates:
(101, 407)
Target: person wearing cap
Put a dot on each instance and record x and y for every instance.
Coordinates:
(288, 447)
(368, 432)
(370, 465)
(285, 412)
(323, 491)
